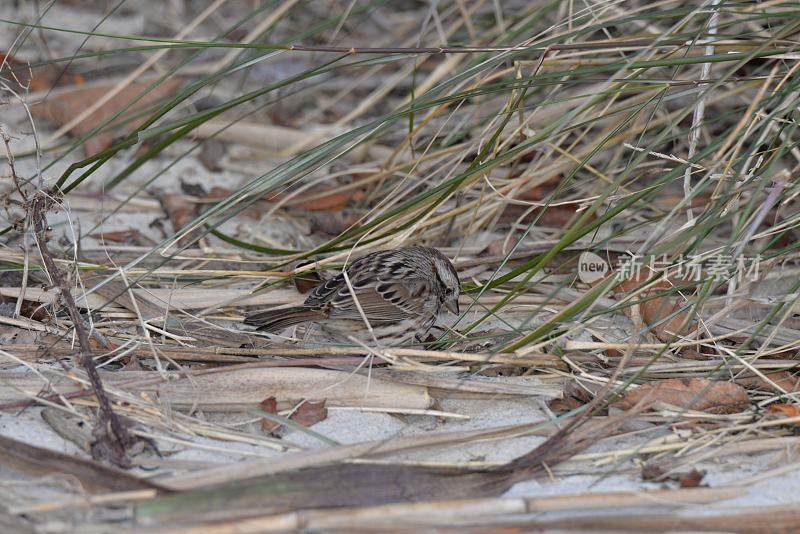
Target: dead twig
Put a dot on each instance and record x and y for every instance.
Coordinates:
(112, 439)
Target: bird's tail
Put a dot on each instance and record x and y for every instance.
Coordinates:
(280, 318)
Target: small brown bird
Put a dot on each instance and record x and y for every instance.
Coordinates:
(401, 293)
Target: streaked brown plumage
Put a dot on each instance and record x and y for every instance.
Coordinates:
(401, 293)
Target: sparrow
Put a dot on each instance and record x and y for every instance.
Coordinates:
(401, 293)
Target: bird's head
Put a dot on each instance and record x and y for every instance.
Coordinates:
(447, 278)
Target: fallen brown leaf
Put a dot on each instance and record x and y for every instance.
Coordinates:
(269, 405)
(63, 107)
(553, 216)
(131, 236)
(784, 379)
(575, 396)
(692, 354)
(501, 246)
(698, 394)
(179, 210)
(652, 472)
(319, 198)
(667, 201)
(334, 222)
(310, 413)
(789, 410)
(96, 343)
(688, 479)
(42, 78)
(535, 193)
(219, 193)
(656, 309)
(692, 479)
(306, 414)
(564, 405)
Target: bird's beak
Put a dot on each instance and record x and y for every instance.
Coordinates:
(452, 306)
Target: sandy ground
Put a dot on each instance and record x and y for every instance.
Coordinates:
(568, 478)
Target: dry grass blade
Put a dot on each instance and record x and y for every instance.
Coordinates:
(361, 484)
(93, 476)
(463, 512)
(239, 389)
(746, 519)
(254, 468)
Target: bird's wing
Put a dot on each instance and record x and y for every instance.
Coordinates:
(359, 269)
(381, 297)
(381, 300)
